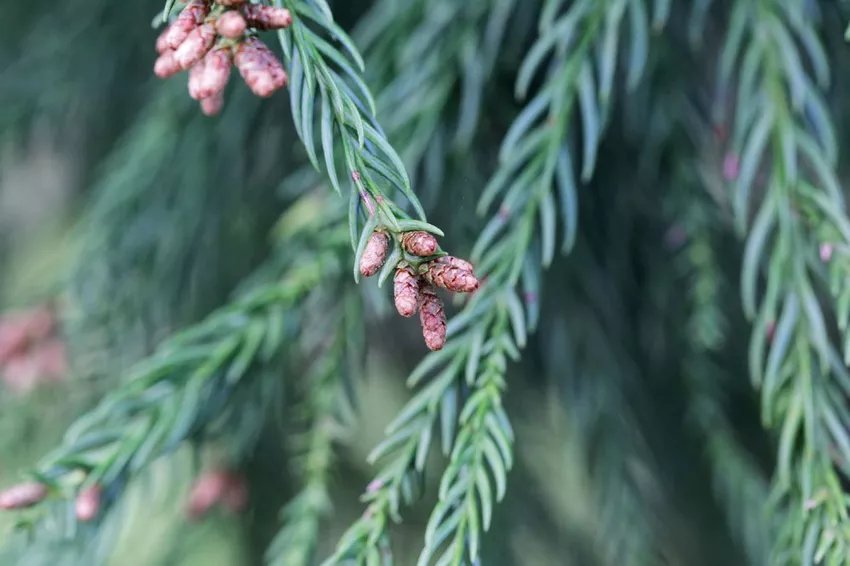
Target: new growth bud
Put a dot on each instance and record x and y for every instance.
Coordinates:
(266, 17)
(195, 46)
(87, 505)
(22, 496)
(406, 291)
(452, 278)
(375, 254)
(212, 106)
(433, 318)
(421, 244)
(190, 18)
(231, 25)
(261, 70)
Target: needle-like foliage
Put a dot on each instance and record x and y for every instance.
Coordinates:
(619, 171)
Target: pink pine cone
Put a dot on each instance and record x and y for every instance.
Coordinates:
(375, 254)
(261, 70)
(266, 17)
(190, 18)
(452, 278)
(406, 292)
(231, 24)
(213, 75)
(166, 65)
(22, 496)
(87, 505)
(457, 262)
(433, 318)
(212, 106)
(193, 49)
(420, 243)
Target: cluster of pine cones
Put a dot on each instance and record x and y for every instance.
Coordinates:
(208, 38)
(415, 288)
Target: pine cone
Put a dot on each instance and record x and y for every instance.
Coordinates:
(261, 70)
(422, 244)
(190, 18)
(457, 262)
(166, 65)
(212, 106)
(162, 41)
(406, 291)
(216, 71)
(266, 17)
(22, 496)
(231, 24)
(375, 254)
(433, 318)
(208, 490)
(87, 505)
(196, 75)
(196, 45)
(452, 278)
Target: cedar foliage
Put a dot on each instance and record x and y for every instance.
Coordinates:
(653, 369)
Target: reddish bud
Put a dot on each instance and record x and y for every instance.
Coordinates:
(452, 278)
(22, 496)
(87, 505)
(212, 106)
(422, 244)
(190, 18)
(231, 25)
(433, 318)
(162, 41)
(825, 252)
(166, 65)
(261, 70)
(406, 291)
(13, 337)
(375, 254)
(196, 74)
(21, 373)
(263, 17)
(212, 74)
(457, 262)
(196, 45)
(230, 3)
(208, 490)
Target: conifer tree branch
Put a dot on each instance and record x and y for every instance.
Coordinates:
(739, 485)
(179, 392)
(491, 329)
(330, 78)
(782, 128)
(295, 543)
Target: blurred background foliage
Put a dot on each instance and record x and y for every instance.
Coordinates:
(638, 432)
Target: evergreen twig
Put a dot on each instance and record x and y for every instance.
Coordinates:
(535, 165)
(782, 132)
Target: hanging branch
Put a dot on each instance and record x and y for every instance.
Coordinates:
(296, 542)
(492, 328)
(180, 392)
(783, 135)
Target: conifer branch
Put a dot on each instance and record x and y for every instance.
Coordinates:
(739, 485)
(323, 75)
(295, 544)
(782, 131)
(183, 389)
(494, 324)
